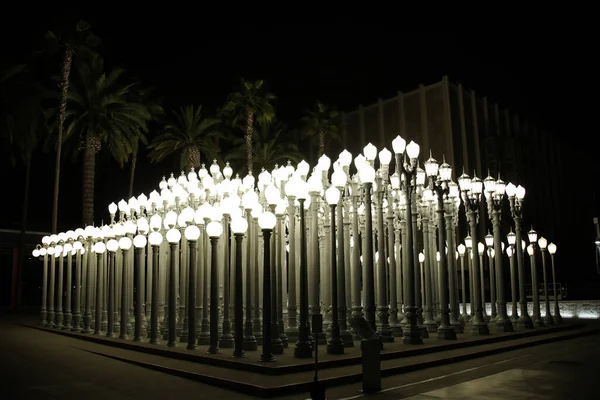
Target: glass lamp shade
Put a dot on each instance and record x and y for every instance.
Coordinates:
(51, 251)
(62, 237)
(303, 168)
(420, 177)
(43, 251)
(236, 213)
(489, 184)
(461, 249)
(301, 190)
(338, 178)
(453, 192)
(492, 253)
(500, 188)
(155, 222)
(511, 190)
(523, 244)
(214, 229)
(476, 185)
(77, 245)
(370, 151)
(267, 220)
(70, 235)
(398, 145)
(112, 208)
(125, 243)
(249, 199)
(173, 235)
(227, 171)
(385, 156)
(511, 237)
(324, 162)
(216, 214)
(188, 214)
(367, 174)
(118, 229)
(272, 195)
(530, 250)
(502, 245)
(520, 192)
(139, 241)
(437, 256)
(412, 150)
(469, 242)
(314, 183)
(90, 231)
(130, 227)
(395, 180)
(192, 233)
(46, 240)
(99, 248)
(122, 206)
(509, 251)
(155, 238)
(248, 181)
(359, 162)
(345, 158)
(132, 203)
(332, 195)
(112, 245)
(170, 219)
(552, 248)
(291, 187)
(445, 172)
(532, 235)
(543, 243)
(239, 225)
(54, 238)
(480, 248)
(464, 181)
(489, 240)
(79, 233)
(35, 253)
(68, 247)
(431, 167)
(421, 257)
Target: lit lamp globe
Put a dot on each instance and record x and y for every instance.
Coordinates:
(50, 251)
(489, 240)
(112, 208)
(239, 226)
(301, 190)
(530, 250)
(99, 248)
(43, 251)
(324, 163)
(125, 243)
(523, 244)
(250, 198)
(272, 195)
(492, 253)
(62, 237)
(112, 245)
(345, 158)
(476, 186)
(370, 152)
(359, 162)
(68, 247)
(431, 167)
(170, 219)
(235, 212)
(464, 181)
(385, 156)
(303, 168)
(543, 243)
(35, 253)
(267, 220)
(58, 250)
(332, 195)
(192, 233)
(552, 248)
(173, 236)
(445, 172)
(520, 192)
(290, 187)
(511, 189)
(155, 238)
(412, 150)
(398, 145)
(338, 178)
(46, 240)
(130, 227)
(480, 248)
(532, 235)
(118, 230)
(139, 241)
(509, 252)
(214, 229)
(461, 249)
(155, 223)
(142, 226)
(512, 238)
(469, 242)
(367, 174)
(421, 257)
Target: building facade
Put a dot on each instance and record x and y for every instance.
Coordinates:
(471, 132)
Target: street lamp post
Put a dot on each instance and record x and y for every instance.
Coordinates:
(266, 222)
(78, 248)
(112, 246)
(471, 195)
(411, 332)
(515, 198)
(124, 244)
(461, 252)
(173, 237)
(214, 229)
(192, 233)
(248, 200)
(155, 238)
(439, 176)
(239, 226)
(99, 249)
(139, 242)
(543, 243)
(334, 345)
(44, 253)
(489, 244)
(557, 316)
(510, 252)
(537, 316)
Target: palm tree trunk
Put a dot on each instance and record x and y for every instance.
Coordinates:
(321, 142)
(89, 177)
(17, 288)
(249, 128)
(132, 172)
(62, 110)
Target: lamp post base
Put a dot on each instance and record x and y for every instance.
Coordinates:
(538, 322)
(204, 339)
(548, 320)
(249, 343)
(346, 337)
(457, 326)
(397, 330)
(266, 358)
(412, 335)
(503, 325)
(479, 329)
(424, 331)
(431, 326)
(334, 346)
(558, 319)
(446, 333)
(302, 350)
(226, 341)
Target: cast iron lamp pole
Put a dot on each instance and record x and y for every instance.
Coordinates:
(44, 252)
(510, 252)
(266, 222)
(515, 198)
(557, 316)
(411, 332)
(99, 249)
(334, 345)
(124, 244)
(439, 183)
(543, 243)
(173, 237)
(214, 229)
(537, 316)
(239, 226)
(471, 195)
(249, 199)
(155, 238)
(78, 248)
(112, 246)
(192, 233)
(69, 284)
(461, 252)
(139, 242)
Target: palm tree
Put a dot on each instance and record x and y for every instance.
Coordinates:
(190, 134)
(272, 145)
(71, 43)
(100, 112)
(324, 122)
(251, 102)
(143, 96)
(21, 131)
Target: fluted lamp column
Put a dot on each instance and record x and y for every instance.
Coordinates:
(334, 345)
(112, 246)
(124, 244)
(155, 239)
(192, 233)
(173, 237)
(537, 315)
(543, 243)
(214, 230)
(139, 242)
(510, 253)
(239, 226)
(557, 316)
(43, 252)
(266, 222)
(461, 252)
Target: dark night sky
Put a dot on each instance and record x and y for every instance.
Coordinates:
(197, 60)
